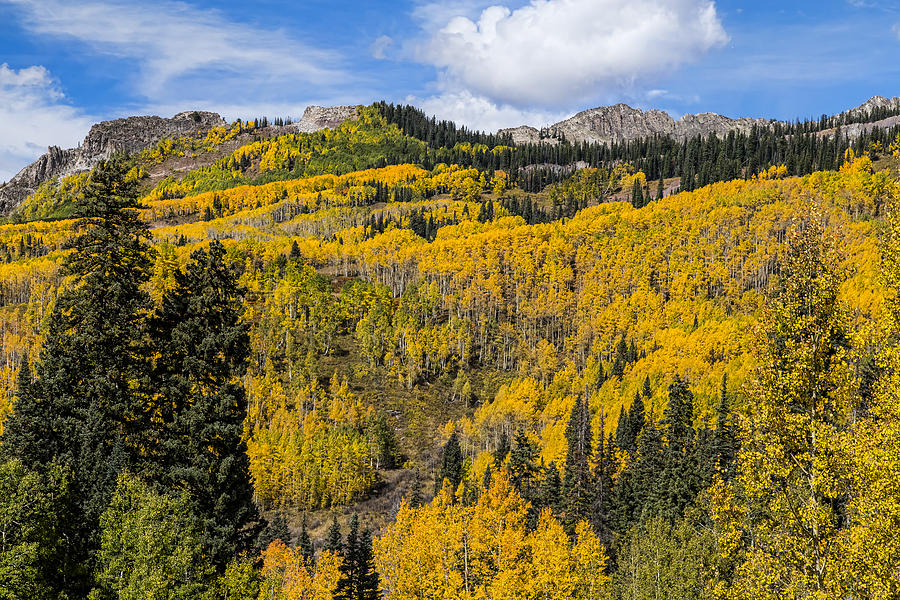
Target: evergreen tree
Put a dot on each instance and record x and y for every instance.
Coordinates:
(275, 529)
(451, 463)
(81, 409)
(333, 541)
(577, 485)
(415, 491)
(349, 581)
(359, 580)
(305, 544)
(549, 494)
(725, 445)
(202, 349)
(522, 468)
(681, 477)
(604, 473)
(368, 576)
(637, 194)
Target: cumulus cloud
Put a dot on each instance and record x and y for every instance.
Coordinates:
(477, 112)
(33, 116)
(555, 53)
(182, 51)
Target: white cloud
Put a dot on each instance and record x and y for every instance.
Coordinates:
(180, 51)
(33, 116)
(561, 52)
(477, 112)
(380, 46)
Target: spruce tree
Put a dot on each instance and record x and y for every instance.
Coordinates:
(276, 529)
(725, 445)
(522, 468)
(549, 493)
(202, 349)
(349, 581)
(637, 194)
(451, 464)
(577, 485)
(333, 541)
(681, 475)
(635, 420)
(414, 497)
(368, 576)
(305, 544)
(80, 411)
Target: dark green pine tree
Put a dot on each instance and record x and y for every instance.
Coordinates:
(202, 349)
(725, 444)
(635, 420)
(522, 468)
(414, 497)
(368, 576)
(305, 544)
(502, 449)
(604, 473)
(637, 194)
(276, 529)
(359, 580)
(333, 541)
(638, 493)
(681, 476)
(577, 488)
(349, 580)
(623, 428)
(659, 189)
(549, 494)
(80, 410)
(451, 464)
(646, 392)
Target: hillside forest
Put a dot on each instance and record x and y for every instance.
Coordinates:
(400, 359)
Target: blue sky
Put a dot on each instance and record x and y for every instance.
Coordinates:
(65, 64)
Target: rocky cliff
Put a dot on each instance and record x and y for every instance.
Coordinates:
(132, 134)
(621, 122)
(325, 117)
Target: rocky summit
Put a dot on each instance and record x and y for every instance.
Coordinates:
(128, 135)
(620, 123)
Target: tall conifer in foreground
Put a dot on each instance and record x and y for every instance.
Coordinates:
(202, 349)
(80, 410)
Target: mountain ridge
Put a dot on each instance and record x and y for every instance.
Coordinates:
(605, 124)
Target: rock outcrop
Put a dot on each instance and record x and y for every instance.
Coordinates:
(620, 122)
(325, 117)
(131, 134)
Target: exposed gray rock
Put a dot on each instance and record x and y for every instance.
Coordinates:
(325, 117)
(131, 134)
(620, 122)
(873, 103)
(523, 134)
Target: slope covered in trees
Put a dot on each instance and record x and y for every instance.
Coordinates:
(608, 398)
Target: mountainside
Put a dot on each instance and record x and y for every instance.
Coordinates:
(134, 134)
(129, 135)
(375, 355)
(601, 125)
(621, 123)
(618, 123)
